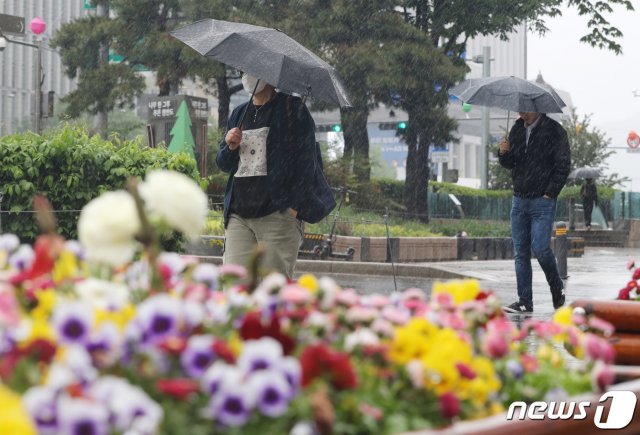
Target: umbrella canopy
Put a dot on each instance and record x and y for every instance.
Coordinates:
(585, 172)
(267, 54)
(509, 93)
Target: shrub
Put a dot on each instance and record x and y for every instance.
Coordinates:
(70, 168)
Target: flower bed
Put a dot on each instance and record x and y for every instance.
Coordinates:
(116, 337)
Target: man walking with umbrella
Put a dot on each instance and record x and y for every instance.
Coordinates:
(537, 153)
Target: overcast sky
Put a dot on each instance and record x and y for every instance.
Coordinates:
(600, 83)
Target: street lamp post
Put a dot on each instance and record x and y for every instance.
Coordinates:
(485, 60)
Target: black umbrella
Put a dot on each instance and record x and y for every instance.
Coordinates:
(509, 93)
(585, 172)
(267, 54)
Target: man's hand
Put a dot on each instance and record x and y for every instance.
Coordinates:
(233, 138)
(545, 196)
(504, 146)
(292, 212)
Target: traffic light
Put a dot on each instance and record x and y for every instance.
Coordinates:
(400, 126)
(329, 127)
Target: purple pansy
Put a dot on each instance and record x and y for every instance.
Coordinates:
(232, 406)
(40, 403)
(260, 354)
(198, 355)
(272, 390)
(82, 417)
(72, 323)
(206, 274)
(158, 317)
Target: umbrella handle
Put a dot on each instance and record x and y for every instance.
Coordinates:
(508, 116)
(244, 113)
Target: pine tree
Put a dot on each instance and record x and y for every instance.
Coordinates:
(181, 136)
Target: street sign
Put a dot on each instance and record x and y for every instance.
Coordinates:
(10, 24)
(88, 5)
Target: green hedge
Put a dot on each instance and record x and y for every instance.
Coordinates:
(70, 168)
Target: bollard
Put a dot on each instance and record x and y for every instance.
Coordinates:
(562, 248)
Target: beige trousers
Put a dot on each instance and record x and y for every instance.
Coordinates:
(279, 232)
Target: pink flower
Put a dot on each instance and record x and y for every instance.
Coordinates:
(529, 363)
(396, 315)
(445, 300)
(624, 294)
(465, 371)
(453, 321)
(413, 293)
(371, 411)
(295, 294)
(361, 314)
(9, 314)
(601, 325)
(547, 329)
(598, 349)
(375, 301)
(348, 297)
(495, 345)
(449, 405)
(232, 270)
(382, 327)
(602, 376)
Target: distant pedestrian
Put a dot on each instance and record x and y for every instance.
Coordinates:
(538, 155)
(589, 193)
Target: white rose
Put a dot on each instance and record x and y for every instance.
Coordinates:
(107, 227)
(176, 199)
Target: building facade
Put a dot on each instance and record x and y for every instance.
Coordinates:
(17, 62)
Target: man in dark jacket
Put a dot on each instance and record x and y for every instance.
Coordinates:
(275, 178)
(537, 153)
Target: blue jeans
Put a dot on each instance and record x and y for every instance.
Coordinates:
(531, 227)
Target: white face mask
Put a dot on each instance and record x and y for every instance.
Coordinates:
(249, 82)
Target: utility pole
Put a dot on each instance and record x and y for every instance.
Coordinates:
(486, 72)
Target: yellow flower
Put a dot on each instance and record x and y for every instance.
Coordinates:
(235, 343)
(460, 290)
(562, 316)
(411, 340)
(39, 329)
(46, 303)
(120, 318)
(544, 352)
(14, 419)
(309, 282)
(66, 267)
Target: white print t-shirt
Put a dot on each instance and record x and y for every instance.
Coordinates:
(253, 153)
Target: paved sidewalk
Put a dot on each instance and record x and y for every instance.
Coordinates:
(599, 274)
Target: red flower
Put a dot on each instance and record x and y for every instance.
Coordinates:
(179, 388)
(223, 351)
(46, 250)
(482, 296)
(624, 294)
(173, 345)
(636, 273)
(465, 371)
(318, 360)
(253, 329)
(449, 405)
(41, 349)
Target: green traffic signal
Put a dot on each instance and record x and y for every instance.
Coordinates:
(336, 127)
(402, 125)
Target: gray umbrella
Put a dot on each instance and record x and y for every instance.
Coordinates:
(585, 172)
(509, 93)
(267, 54)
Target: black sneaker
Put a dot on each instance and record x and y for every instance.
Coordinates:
(558, 298)
(518, 307)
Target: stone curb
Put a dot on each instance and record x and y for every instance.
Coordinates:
(362, 268)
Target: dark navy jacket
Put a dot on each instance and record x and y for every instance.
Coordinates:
(294, 165)
(542, 166)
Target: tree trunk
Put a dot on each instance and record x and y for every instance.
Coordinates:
(356, 139)
(416, 184)
(224, 99)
